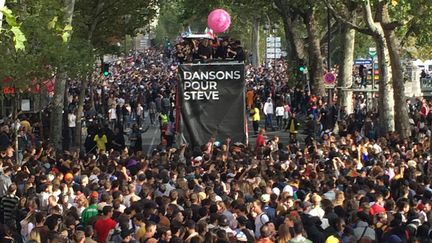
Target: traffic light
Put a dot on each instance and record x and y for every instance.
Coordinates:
(105, 69)
(301, 66)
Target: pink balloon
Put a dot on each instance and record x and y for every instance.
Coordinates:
(219, 20)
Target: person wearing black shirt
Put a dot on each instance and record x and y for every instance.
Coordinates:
(222, 50)
(4, 138)
(205, 50)
(165, 234)
(118, 142)
(240, 55)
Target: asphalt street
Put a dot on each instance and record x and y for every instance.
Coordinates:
(151, 138)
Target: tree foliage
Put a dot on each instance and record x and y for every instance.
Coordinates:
(107, 22)
(45, 53)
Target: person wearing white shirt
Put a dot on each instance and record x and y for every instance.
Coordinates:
(139, 113)
(268, 112)
(279, 112)
(317, 211)
(72, 126)
(112, 116)
(261, 218)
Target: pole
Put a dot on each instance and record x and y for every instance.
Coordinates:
(373, 73)
(373, 82)
(305, 78)
(330, 99)
(274, 49)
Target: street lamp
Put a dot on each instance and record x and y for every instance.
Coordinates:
(330, 98)
(266, 28)
(274, 30)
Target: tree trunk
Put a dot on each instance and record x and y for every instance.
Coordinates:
(385, 99)
(57, 111)
(85, 81)
(295, 49)
(79, 111)
(295, 44)
(59, 89)
(255, 41)
(316, 65)
(346, 68)
(401, 112)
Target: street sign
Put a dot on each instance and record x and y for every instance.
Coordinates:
(274, 44)
(426, 84)
(273, 50)
(329, 79)
(372, 51)
(272, 39)
(273, 55)
(362, 62)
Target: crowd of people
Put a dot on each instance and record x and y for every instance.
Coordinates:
(342, 181)
(194, 50)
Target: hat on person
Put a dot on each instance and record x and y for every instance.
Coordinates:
(68, 176)
(47, 166)
(217, 144)
(412, 163)
(276, 191)
(202, 195)
(306, 204)
(131, 163)
(241, 237)
(223, 221)
(218, 198)
(93, 179)
(265, 198)
(94, 194)
(288, 189)
(50, 177)
(332, 239)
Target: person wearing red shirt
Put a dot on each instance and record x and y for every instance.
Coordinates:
(260, 141)
(105, 224)
(378, 206)
(424, 111)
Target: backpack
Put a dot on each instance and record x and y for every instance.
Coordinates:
(264, 213)
(114, 236)
(250, 237)
(24, 228)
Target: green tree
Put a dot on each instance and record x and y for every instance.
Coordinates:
(107, 22)
(103, 24)
(169, 21)
(305, 19)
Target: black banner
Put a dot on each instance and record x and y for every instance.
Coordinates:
(211, 101)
